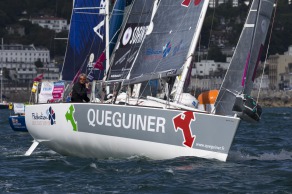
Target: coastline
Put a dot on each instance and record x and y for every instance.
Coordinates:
(274, 98)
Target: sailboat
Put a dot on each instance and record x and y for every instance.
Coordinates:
(17, 120)
(157, 42)
(3, 105)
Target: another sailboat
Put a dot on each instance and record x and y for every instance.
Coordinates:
(157, 42)
(3, 104)
(234, 95)
(17, 120)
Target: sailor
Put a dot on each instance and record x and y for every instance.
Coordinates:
(79, 91)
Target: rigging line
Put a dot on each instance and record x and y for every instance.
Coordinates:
(111, 41)
(182, 81)
(90, 50)
(133, 44)
(92, 42)
(91, 46)
(148, 82)
(209, 42)
(67, 46)
(119, 38)
(211, 30)
(196, 75)
(220, 100)
(276, 3)
(106, 74)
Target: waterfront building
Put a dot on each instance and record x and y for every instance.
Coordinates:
(215, 3)
(52, 23)
(20, 61)
(262, 82)
(207, 75)
(16, 53)
(208, 68)
(279, 66)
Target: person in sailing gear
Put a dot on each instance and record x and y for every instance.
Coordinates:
(79, 90)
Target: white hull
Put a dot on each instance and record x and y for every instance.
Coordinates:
(104, 130)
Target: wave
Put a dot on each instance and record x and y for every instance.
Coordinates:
(282, 155)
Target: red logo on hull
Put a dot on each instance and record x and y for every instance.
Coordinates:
(186, 3)
(183, 122)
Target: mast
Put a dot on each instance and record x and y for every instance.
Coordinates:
(1, 84)
(190, 53)
(107, 35)
(107, 45)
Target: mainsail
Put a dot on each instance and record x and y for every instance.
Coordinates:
(165, 50)
(87, 36)
(240, 75)
(85, 41)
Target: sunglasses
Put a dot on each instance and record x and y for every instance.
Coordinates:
(82, 78)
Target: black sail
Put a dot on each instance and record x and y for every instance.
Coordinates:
(240, 74)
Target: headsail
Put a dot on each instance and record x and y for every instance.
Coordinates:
(240, 75)
(165, 49)
(85, 42)
(116, 19)
(131, 38)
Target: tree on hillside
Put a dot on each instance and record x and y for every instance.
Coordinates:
(215, 54)
(209, 24)
(6, 73)
(38, 63)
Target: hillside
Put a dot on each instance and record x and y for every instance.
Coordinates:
(13, 10)
(227, 23)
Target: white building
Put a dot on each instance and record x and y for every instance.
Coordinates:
(56, 24)
(212, 3)
(207, 67)
(206, 83)
(289, 52)
(262, 82)
(50, 72)
(20, 61)
(23, 53)
(204, 75)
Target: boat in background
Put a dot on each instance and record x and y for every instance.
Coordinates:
(17, 120)
(3, 104)
(157, 41)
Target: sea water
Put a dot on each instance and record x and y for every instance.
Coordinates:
(260, 161)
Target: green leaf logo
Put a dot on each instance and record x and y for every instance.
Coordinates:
(69, 117)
